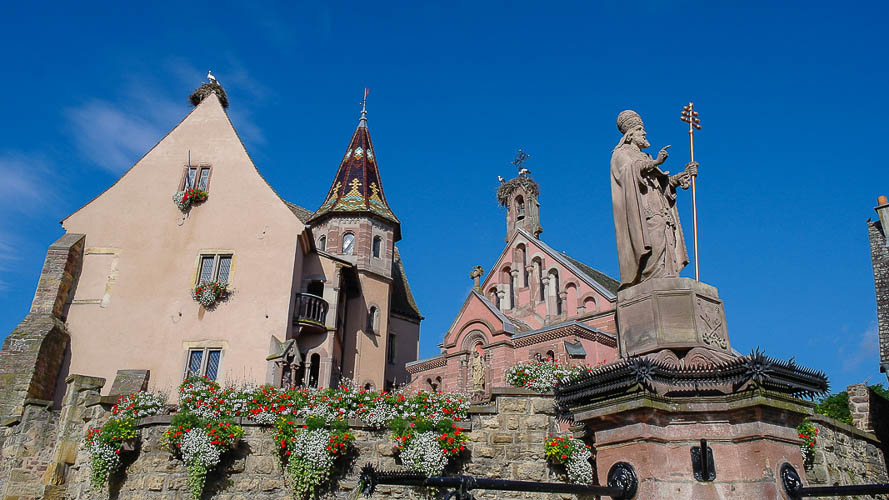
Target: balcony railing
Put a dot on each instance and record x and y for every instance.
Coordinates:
(311, 310)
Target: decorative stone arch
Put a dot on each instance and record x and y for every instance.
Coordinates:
(538, 261)
(473, 338)
(455, 335)
(589, 302)
(373, 318)
(572, 302)
(555, 287)
(520, 260)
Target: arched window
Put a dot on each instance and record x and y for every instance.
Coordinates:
(378, 242)
(590, 304)
(348, 244)
(372, 318)
(539, 264)
(494, 297)
(520, 208)
(322, 243)
(509, 281)
(315, 360)
(550, 356)
(556, 287)
(524, 258)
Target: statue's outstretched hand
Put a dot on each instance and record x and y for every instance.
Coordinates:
(692, 168)
(663, 154)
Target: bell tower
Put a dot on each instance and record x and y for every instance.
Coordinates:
(519, 196)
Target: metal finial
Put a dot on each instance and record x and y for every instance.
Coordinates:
(363, 121)
(519, 162)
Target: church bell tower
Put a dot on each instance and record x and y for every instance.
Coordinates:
(519, 196)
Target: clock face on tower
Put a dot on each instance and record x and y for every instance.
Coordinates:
(348, 244)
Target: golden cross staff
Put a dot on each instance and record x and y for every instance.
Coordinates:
(690, 116)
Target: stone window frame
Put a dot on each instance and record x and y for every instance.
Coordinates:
(217, 255)
(377, 247)
(373, 318)
(343, 246)
(206, 347)
(322, 243)
(199, 170)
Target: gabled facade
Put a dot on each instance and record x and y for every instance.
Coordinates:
(535, 303)
(297, 313)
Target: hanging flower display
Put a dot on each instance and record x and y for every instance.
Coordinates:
(200, 443)
(309, 451)
(542, 376)
(808, 433)
(209, 292)
(186, 198)
(574, 454)
(427, 446)
(105, 445)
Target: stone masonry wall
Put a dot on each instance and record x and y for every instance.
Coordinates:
(845, 455)
(32, 354)
(43, 455)
(880, 258)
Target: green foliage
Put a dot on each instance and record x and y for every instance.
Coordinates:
(835, 406)
(880, 390)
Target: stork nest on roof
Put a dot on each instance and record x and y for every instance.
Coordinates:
(206, 89)
(504, 192)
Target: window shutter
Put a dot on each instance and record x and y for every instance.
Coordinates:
(205, 176)
(213, 364)
(225, 265)
(206, 269)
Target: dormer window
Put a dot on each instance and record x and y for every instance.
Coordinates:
(348, 244)
(196, 177)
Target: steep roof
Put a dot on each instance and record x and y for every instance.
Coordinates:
(599, 280)
(402, 299)
(607, 281)
(303, 214)
(357, 187)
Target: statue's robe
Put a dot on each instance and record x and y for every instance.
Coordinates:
(646, 223)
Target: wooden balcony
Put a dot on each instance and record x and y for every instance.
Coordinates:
(311, 312)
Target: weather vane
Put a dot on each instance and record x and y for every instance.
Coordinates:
(519, 162)
(690, 116)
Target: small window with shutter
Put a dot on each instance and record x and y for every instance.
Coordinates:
(215, 267)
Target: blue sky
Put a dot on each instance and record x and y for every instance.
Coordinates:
(792, 100)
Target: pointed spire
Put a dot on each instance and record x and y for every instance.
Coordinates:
(357, 186)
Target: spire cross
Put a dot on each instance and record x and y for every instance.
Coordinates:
(690, 116)
(519, 160)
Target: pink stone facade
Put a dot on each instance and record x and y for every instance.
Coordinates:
(535, 303)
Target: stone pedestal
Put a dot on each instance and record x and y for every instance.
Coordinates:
(670, 313)
(750, 435)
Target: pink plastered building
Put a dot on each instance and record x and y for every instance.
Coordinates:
(534, 303)
(313, 296)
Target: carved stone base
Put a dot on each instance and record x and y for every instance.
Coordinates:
(670, 313)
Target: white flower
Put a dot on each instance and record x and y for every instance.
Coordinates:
(196, 448)
(423, 454)
(580, 470)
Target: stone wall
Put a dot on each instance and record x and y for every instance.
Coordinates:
(43, 455)
(880, 258)
(845, 455)
(33, 353)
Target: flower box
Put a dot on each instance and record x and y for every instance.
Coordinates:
(209, 292)
(185, 199)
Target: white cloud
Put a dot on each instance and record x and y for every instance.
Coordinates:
(110, 137)
(866, 352)
(26, 182)
(114, 134)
